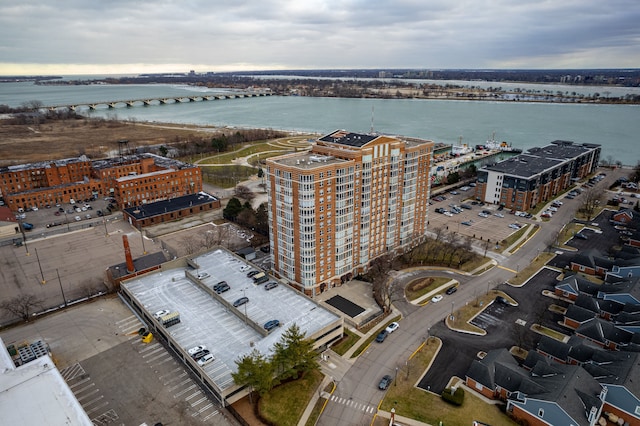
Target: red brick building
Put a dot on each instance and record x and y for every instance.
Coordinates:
(130, 180)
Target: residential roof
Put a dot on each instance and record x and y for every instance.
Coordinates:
(538, 160)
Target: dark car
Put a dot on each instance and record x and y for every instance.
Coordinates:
(240, 302)
(270, 325)
(581, 236)
(221, 287)
(200, 354)
(381, 336)
(385, 382)
(451, 289)
(270, 285)
(503, 300)
(252, 273)
(265, 249)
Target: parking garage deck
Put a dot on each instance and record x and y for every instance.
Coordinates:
(208, 318)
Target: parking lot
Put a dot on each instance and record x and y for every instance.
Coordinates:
(59, 215)
(506, 326)
(483, 222)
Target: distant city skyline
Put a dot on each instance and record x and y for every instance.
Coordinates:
(124, 37)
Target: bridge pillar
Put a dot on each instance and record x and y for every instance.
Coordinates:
(129, 104)
(146, 102)
(93, 106)
(111, 105)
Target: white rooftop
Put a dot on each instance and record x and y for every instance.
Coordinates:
(36, 394)
(205, 320)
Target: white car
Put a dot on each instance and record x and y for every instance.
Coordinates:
(448, 213)
(161, 313)
(206, 360)
(392, 327)
(78, 218)
(498, 215)
(436, 298)
(196, 349)
(203, 275)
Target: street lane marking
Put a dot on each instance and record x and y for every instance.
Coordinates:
(507, 269)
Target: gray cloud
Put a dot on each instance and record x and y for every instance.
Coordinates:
(267, 34)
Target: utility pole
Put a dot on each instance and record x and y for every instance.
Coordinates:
(61, 290)
(40, 266)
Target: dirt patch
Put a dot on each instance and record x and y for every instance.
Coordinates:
(28, 143)
(245, 409)
(418, 285)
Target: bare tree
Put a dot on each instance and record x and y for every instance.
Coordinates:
(190, 244)
(244, 192)
(22, 306)
(592, 199)
(379, 274)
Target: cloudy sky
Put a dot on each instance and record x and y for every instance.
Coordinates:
(135, 36)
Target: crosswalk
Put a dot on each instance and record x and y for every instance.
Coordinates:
(370, 409)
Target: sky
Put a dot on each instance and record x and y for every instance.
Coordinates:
(65, 37)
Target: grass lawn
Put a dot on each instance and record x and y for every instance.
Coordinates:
(285, 404)
(346, 342)
(227, 176)
(540, 329)
(371, 338)
(506, 243)
(409, 401)
(421, 286)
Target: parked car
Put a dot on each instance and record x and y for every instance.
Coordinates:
(221, 287)
(436, 298)
(196, 349)
(452, 289)
(252, 273)
(199, 354)
(78, 218)
(203, 275)
(161, 313)
(392, 327)
(270, 285)
(581, 236)
(240, 302)
(483, 214)
(206, 360)
(503, 300)
(498, 214)
(385, 382)
(381, 336)
(270, 325)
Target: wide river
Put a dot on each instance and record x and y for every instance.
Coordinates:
(524, 125)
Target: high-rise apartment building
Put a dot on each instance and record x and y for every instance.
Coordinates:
(350, 199)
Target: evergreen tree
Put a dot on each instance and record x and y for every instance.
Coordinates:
(294, 355)
(232, 209)
(255, 370)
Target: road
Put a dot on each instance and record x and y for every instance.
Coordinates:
(359, 384)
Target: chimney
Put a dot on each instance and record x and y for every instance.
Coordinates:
(127, 254)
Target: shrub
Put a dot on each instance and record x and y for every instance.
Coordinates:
(455, 397)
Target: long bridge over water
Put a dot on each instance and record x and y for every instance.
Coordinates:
(158, 101)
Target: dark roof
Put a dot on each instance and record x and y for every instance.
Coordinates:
(348, 138)
(171, 205)
(579, 314)
(553, 347)
(537, 160)
(576, 284)
(140, 264)
(604, 331)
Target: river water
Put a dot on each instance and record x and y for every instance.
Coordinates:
(524, 125)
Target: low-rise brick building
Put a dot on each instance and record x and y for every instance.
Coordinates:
(131, 180)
